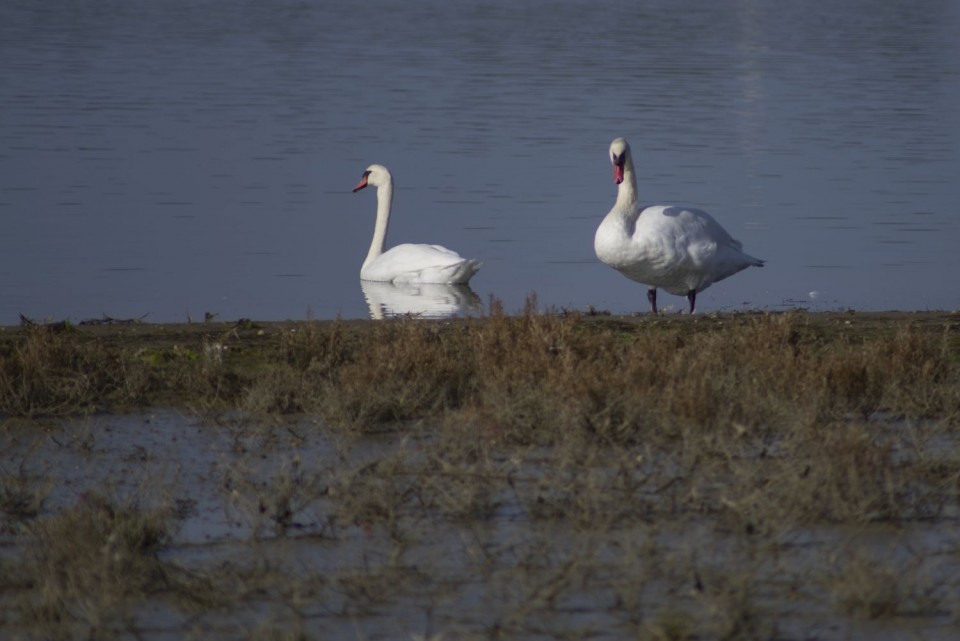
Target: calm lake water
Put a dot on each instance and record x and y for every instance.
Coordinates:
(167, 158)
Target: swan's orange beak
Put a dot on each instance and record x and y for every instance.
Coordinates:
(360, 185)
(618, 174)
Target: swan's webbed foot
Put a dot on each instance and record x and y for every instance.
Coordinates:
(692, 297)
(652, 297)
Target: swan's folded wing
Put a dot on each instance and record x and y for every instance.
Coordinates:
(410, 263)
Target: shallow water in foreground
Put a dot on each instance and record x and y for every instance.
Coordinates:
(392, 536)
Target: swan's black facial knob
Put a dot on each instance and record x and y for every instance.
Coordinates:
(618, 162)
(363, 182)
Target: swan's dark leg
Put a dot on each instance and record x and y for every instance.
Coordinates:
(652, 297)
(692, 297)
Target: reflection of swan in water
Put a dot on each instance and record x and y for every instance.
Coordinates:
(426, 300)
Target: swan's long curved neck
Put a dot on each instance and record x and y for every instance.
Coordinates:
(627, 191)
(384, 202)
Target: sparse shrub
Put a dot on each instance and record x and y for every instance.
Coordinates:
(278, 499)
(277, 389)
(670, 625)
(52, 372)
(374, 494)
(406, 370)
(460, 485)
(320, 347)
(871, 588)
(22, 495)
(87, 560)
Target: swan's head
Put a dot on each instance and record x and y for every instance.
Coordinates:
(619, 153)
(375, 175)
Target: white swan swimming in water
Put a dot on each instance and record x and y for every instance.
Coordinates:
(681, 250)
(407, 263)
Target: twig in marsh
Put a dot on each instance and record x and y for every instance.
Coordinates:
(57, 326)
(109, 320)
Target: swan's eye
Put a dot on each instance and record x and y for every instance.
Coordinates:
(366, 174)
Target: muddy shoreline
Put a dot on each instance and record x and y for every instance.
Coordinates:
(260, 337)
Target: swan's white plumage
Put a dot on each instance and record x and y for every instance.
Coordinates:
(410, 263)
(681, 250)
(407, 263)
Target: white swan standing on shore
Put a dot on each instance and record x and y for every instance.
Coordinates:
(681, 250)
(407, 263)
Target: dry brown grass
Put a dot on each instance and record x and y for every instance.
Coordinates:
(275, 503)
(47, 371)
(866, 587)
(546, 379)
(23, 494)
(87, 561)
(531, 378)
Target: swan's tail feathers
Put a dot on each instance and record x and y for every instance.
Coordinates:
(464, 271)
(755, 262)
(456, 273)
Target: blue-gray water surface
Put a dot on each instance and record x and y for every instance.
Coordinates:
(167, 158)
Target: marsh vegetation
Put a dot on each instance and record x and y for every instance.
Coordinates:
(555, 476)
